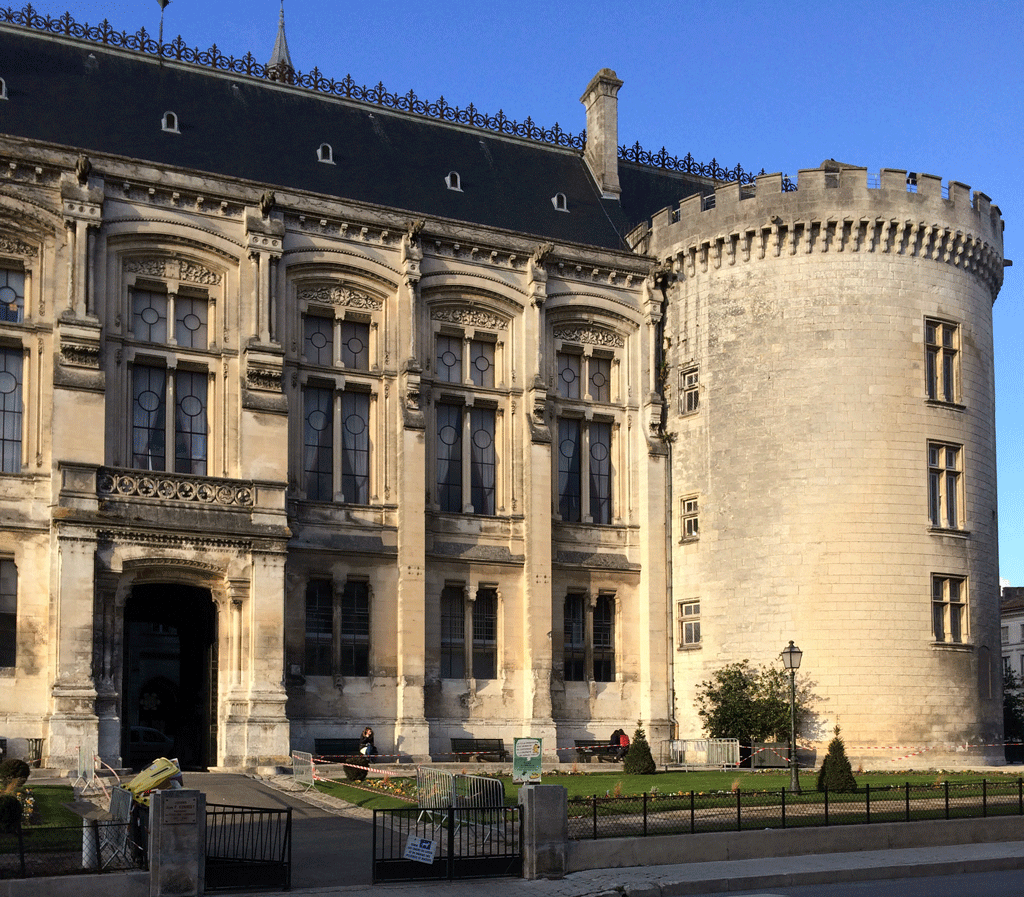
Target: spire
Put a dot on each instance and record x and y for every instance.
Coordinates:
(280, 67)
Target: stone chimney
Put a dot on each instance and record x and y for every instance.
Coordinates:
(602, 153)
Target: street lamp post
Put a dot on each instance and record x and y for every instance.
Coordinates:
(791, 656)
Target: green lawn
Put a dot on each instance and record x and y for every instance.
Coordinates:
(49, 812)
(667, 783)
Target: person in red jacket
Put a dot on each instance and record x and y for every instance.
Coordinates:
(622, 739)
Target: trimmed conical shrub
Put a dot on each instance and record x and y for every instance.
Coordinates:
(639, 761)
(836, 773)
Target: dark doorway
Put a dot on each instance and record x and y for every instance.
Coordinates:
(170, 676)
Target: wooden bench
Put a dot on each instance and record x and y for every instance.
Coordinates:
(603, 750)
(490, 749)
(336, 747)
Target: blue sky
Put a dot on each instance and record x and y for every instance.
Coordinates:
(932, 87)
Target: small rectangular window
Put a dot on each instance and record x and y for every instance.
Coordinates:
(600, 379)
(949, 608)
(569, 375)
(190, 321)
(691, 518)
(355, 345)
(689, 391)
(449, 358)
(318, 340)
(149, 315)
(481, 363)
(689, 623)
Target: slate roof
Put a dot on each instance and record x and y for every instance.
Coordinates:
(90, 98)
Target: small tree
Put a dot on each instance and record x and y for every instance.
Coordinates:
(741, 701)
(639, 761)
(836, 773)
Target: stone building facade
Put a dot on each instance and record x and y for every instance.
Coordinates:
(473, 433)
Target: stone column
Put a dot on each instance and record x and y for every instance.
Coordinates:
(545, 827)
(177, 843)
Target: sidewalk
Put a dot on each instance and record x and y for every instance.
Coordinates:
(704, 878)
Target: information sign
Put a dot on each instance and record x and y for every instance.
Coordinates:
(526, 759)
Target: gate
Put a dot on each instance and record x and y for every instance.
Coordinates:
(411, 844)
(248, 847)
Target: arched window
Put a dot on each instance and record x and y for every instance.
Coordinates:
(170, 123)
(325, 154)
(559, 202)
(453, 181)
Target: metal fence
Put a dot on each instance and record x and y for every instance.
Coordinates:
(479, 842)
(248, 847)
(94, 846)
(695, 812)
(703, 752)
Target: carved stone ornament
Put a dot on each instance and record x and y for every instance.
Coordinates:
(264, 378)
(11, 246)
(469, 317)
(590, 335)
(80, 355)
(179, 269)
(168, 487)
(341, 296)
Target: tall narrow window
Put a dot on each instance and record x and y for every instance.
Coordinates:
(600, 380)
(481, 363)
(190, 321)
(190, 422)
(355, 629)
(944, 485)
(319, 627)
(942, 357)
(485, 634)
(449, 457)
(318, 442)
(8, 613)
(453, 633)
(574, 645)
(149, 315)
(601, 472)
(949, 608)
(604, 638)
(569, 366)
(12, 295)
(482, 463)
(10, 410)
(449, 359)
(149, 418)
(355, 345)
(355, 447)
(570, 486)
(318, 340)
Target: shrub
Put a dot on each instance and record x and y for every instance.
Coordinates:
(10, 813)
(639, 761)
(355, 768)
(13, 770)
(836, 773)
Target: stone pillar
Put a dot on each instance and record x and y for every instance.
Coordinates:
(545, 827)
(177, 844)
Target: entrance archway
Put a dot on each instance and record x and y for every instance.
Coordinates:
(170, 676)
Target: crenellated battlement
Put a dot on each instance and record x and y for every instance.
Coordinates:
(835, 208)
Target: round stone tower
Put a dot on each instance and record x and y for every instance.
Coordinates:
(829, 369)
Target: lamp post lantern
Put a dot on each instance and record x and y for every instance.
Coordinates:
(791, 657)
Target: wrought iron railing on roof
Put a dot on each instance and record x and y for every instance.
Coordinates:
(142, 41)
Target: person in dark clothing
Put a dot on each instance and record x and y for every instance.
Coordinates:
(366, 746)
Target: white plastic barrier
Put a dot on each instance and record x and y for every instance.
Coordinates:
(302, 768)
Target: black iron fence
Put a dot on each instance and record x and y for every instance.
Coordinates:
(94, 846)
(411, 844)
(718, 811)
(248, 847)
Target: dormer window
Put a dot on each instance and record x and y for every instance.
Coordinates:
(325, 154)
(453, 181)
(559, 202)
(3, 89)
(170, 123)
